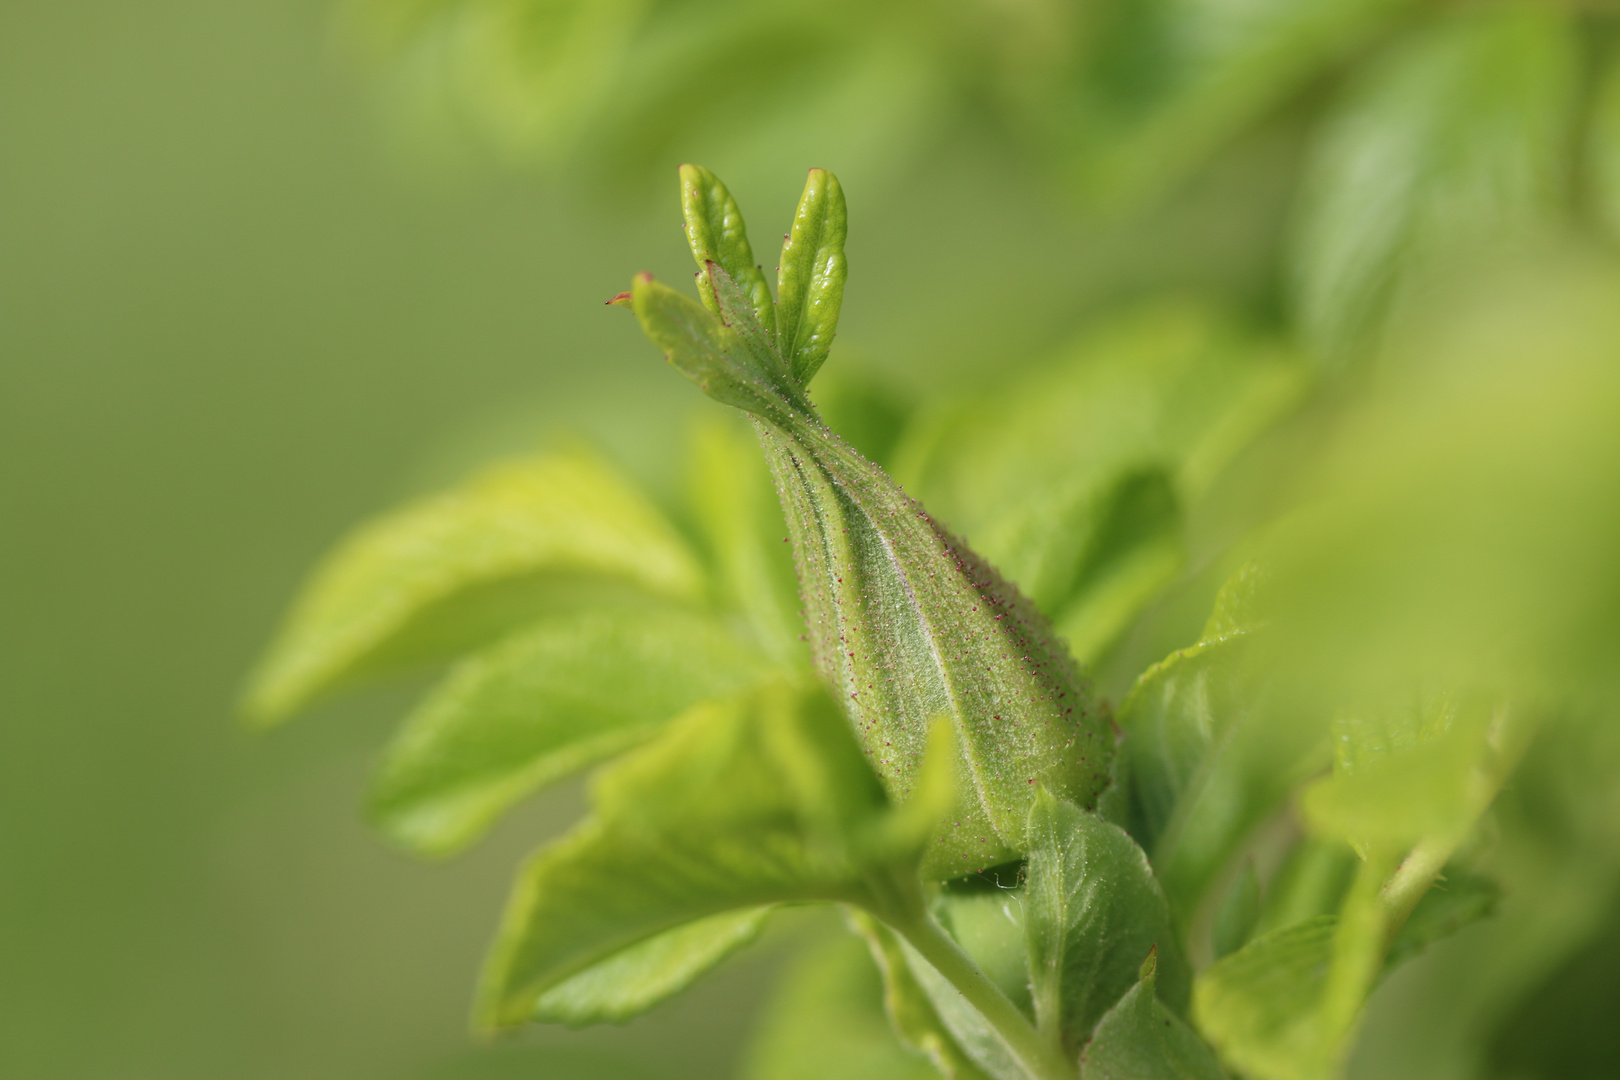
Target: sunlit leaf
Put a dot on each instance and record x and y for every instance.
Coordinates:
(716, 233)
(1457, 138)
(1092, 913)
(427, 580)
(562, 695)
(1140, 1039)
(632, 981)
(810, 281)
(761, 799)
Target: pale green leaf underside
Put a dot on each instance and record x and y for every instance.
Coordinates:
(826, 1020)
(565, 516)
(1140, 1039)
(553, 699)
(634, 980)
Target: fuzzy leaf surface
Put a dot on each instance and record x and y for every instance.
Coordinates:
(1140, 1039)
(716, 233)
(1092, 913)
(446, 571)
(553, 699)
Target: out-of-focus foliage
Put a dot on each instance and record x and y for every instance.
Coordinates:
(1403, 476)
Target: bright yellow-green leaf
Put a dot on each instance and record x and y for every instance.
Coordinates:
(1140, 1039)
(810, 280)
(447, 571)
(553, 699)
(632, 981)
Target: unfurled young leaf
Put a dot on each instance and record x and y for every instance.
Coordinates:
(561, 695)
(428, 580)
(1140, 1039)
(1092, 912)
(632, 981)
(1455, 140)
(761, 799)
(905, 622)
(810, 281)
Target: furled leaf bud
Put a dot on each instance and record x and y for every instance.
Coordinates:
(905, 622)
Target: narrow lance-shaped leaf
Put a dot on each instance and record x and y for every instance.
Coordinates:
(810, 281)
(905, 622)
(715, 232)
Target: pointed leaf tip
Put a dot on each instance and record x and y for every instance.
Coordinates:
(1150, 966)
(621, 300)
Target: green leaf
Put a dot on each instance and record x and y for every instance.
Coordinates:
(1210, 758)
(907, 625)
(553, 699)
(1178, 81)
(1080, 499)
(729, 489)
(988, 924)
(727, 366)
(810, 281)
(1312, 881)
(741, 803)
(716, 233)
(1284, 1006)
(910, 1010)
(1238, 913)
(630, 982)
(826, 1019)
(1140, 1039)
(1456, 140)
(968, 1029)
(452, 570)
(1092, 912)
(1457, 899)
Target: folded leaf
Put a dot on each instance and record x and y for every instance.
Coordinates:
(1092, 912)
(810, 281)
(1140, 1039)
(738, 804)
(549, 701)
(826, 1019)
(630, 982)
(905, 623)
(1455, 141)
(716, 233)
(455, 569)
(910, 1011)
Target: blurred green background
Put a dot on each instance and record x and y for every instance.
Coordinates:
(247, 298)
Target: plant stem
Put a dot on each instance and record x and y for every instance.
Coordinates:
(1038, 1057)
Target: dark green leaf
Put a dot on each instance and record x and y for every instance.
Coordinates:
(1456, 140)
(549, 701)
(1092, 913)
(630, 982)
(810, 281)
(1140, 1039)
(401, 577)
(1238, 913)
(826, 1019)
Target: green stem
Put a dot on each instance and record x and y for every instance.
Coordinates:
(1037, 1056)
